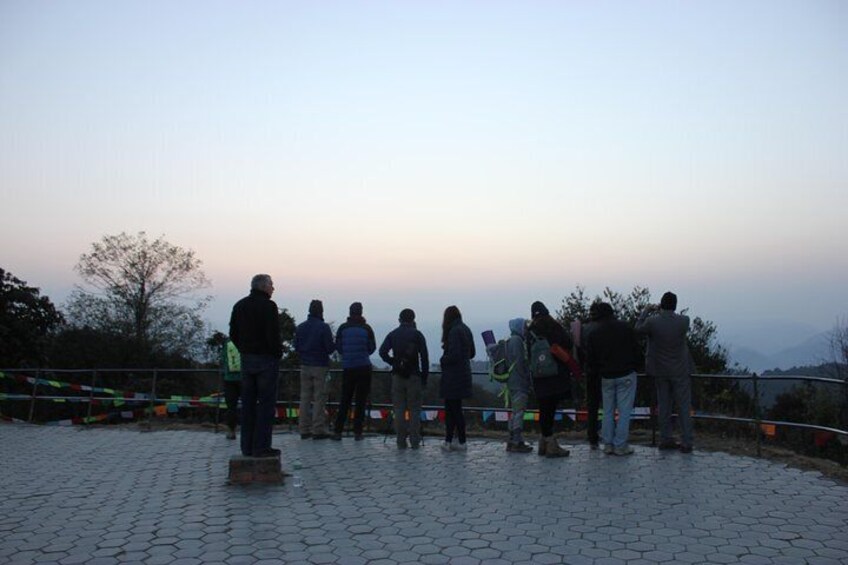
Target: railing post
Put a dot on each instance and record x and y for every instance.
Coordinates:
(218, 399)
(757, 419)
(91, 393)
(34, 394)
(152, 401)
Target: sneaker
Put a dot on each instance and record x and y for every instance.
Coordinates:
(446, 446)
(609, 449)
(335, 436)
(686, 449)
(668, 445)
(317, 437)
(306, 436)
(456, 446)
(231, 434)
(623, 450)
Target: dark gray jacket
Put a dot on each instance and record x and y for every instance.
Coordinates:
(668, 353)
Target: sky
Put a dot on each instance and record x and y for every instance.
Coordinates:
(423, 154)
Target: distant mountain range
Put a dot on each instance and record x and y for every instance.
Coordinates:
(812, 351)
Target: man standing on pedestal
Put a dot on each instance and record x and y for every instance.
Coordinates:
(255, 331)
(669, 363)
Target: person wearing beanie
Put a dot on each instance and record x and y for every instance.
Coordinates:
(355, 342)
(458, 346)
(613, 356)
(518, 385)
(551, 389)
(255, 331)
(313, 342)
(405, 351)
(669, 362)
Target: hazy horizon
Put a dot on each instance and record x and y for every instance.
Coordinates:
(425, 154)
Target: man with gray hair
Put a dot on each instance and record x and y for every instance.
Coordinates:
(668, 361)
(255, 331)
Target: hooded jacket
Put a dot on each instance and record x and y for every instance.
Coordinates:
(313, 341)
(519, 379)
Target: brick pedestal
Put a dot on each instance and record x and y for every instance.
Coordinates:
(247, 470)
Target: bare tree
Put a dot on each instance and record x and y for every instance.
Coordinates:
(142, 289)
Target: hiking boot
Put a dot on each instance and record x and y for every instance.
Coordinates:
(686, 449)
(668, 445)
(623, 450)
(609, 449)
(335, 436)
(554, 449)
(518, 447)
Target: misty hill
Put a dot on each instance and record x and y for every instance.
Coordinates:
(809, 352)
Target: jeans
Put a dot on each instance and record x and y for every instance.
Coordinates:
(619, 394)
(406, 395)
(454, 420)
(680, 390)
(355, 381)
(313, 400)
(593, 402)
(259, 374)
(232, 392)
(516, 423)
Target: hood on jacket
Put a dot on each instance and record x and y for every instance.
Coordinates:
(516, 326)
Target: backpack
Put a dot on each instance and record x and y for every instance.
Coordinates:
(499, 366)
(406, 362)
(542, 363)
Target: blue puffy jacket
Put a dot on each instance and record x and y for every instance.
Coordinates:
(313, 341)
(355, 342)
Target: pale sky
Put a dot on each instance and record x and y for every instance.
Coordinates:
(484, 154)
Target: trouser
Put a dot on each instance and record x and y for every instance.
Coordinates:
(516, 422)
(593, 402)
(619, 394)
(232, 391)
(677, 390)
(454, 420)
(547, 410)
(313, 400)
(259, 375)
(355, 381)
(406, 395)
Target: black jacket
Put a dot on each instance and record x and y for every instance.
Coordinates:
(397, 342)
(612, 350)
(456, 363)
(255, 325)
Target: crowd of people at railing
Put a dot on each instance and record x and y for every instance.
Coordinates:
(540, 357)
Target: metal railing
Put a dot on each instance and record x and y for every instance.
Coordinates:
(41, 378)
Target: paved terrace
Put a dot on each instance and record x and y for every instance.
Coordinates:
(70, 495)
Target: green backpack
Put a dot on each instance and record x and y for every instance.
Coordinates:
(542, 362)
